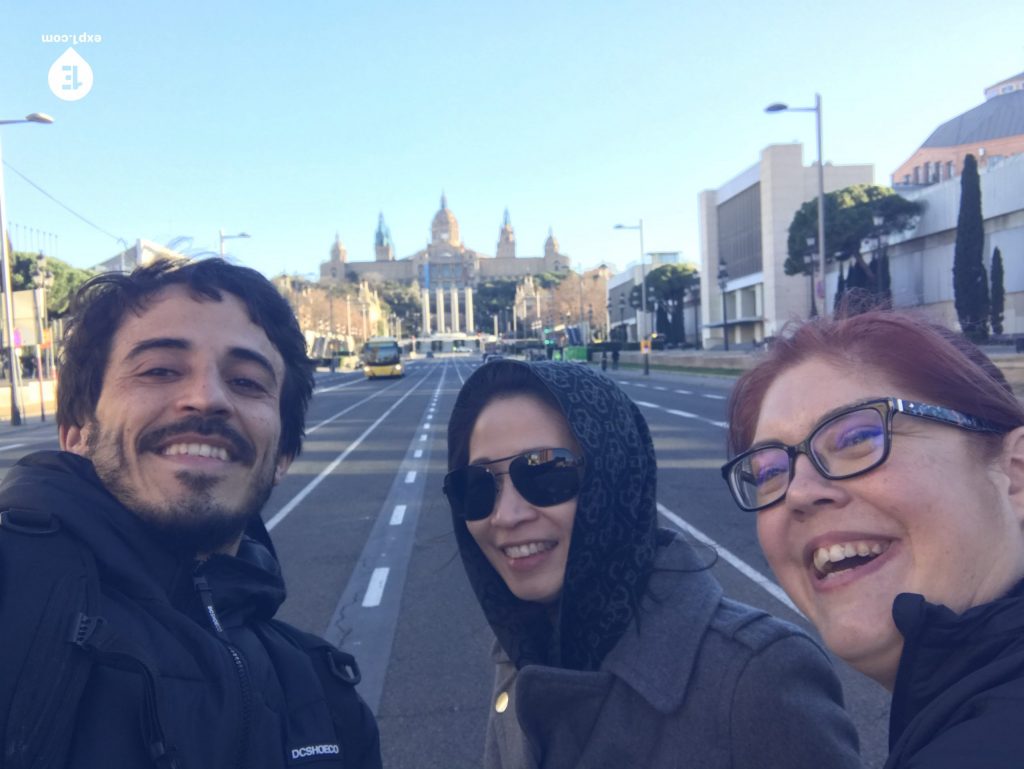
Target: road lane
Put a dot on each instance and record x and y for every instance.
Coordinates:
(367, 612)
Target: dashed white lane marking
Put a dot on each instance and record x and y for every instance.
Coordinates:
(732, 559)
(684, 392)
(658, 387)
(12, 446)
(375, 590)
(426, 425)
(423, 437)
(285, 511)
(410, 477)
(712, 396)
(685, 414)
(398, 515)
(418, 454)
(648, 405)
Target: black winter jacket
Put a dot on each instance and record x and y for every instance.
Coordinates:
(959, 695)
(192, 652)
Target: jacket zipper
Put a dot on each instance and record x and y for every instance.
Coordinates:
(206, 597)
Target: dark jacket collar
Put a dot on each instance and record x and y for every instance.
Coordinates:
(128, 552)
(942, 649)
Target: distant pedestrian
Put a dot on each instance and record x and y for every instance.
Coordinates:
(615, 359)
(604, 360)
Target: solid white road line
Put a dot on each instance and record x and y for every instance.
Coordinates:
(733, 560)
(297, 499)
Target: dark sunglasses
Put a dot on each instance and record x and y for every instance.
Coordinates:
(543, 477)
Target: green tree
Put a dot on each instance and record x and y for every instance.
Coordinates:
(849, 220)
(491, 298)
(404, 302)
(64, 279)
(840, 291)
(667, 285)
(998, 292)
(970, 283)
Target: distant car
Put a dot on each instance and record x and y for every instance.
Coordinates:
(430, 353)
(489, 356)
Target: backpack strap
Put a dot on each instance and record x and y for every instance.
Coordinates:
(47, 579)
(338, 672)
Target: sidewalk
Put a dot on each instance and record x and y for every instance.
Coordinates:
(735, 363)
(31, 424)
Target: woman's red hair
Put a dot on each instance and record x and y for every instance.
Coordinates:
(929, 361)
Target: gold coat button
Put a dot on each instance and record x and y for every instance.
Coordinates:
(501, 704)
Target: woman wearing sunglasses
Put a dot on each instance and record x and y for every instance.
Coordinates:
(615, 647)
(883, 459)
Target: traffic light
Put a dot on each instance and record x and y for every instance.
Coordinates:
(635, 297)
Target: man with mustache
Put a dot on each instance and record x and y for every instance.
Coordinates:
(182, 402)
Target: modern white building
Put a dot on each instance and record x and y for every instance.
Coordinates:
(745, 226)
(921, 260)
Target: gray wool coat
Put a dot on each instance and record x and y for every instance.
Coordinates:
(700, 682)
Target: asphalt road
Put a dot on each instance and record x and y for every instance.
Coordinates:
(362, 532)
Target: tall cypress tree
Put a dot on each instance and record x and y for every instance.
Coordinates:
(970, 283)
(998, 292)
(837, 304)
(885, 283)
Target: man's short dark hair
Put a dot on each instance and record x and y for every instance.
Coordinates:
(98, 308)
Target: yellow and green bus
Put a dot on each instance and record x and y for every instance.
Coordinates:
(382, 357)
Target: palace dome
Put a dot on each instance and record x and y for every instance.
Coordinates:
(445, 227)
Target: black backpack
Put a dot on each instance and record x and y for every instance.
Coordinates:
(48, 584)
(52, 636)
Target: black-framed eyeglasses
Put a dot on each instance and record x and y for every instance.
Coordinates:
(543, 477)
(846, 443)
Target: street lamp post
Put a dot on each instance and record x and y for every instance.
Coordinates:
(224, 237)
(43, 280)
(811, 268)
(816, 109)
(643, 292)
(723, 281)
(5, 275)
(876, 263)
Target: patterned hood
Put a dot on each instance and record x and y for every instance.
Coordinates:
(614, 532)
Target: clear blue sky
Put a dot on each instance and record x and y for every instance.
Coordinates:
(299, 120)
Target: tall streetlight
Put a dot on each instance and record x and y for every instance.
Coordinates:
(224, 237)
(816, 109)
(5, 269)
(723, 281)
(811, 268)
(643, 292)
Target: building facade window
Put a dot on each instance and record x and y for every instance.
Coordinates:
(739, 232)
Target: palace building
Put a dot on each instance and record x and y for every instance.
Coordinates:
(444, 269)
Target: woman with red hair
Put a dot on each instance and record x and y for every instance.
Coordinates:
(883, 458)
